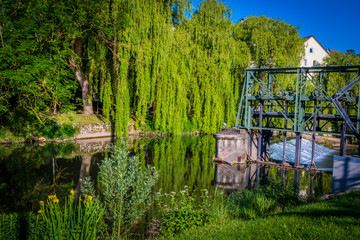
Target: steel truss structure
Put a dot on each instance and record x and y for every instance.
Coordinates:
(306, 99)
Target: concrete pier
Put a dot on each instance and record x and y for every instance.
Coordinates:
(231, 146)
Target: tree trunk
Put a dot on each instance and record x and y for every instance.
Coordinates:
(81, 77)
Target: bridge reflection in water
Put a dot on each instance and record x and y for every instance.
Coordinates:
(247, 176)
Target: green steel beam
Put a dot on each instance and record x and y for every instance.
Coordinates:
(266, 87)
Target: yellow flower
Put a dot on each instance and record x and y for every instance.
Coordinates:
(90, 198)
(72, 192)
(56, 200)
(52, 196)
(41, 203)
(40, 211)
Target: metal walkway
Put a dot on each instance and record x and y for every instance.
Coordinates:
(318, 100)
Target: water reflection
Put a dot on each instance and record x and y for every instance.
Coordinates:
(247, 176)
(29, 173)
(238, 177)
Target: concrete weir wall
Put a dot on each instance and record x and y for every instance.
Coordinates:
(346, 174)
(231, 145)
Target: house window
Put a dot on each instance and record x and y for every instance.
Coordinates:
(305, 62)
(311, 50)
(315, 62)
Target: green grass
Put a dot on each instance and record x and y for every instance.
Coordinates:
(69, 118)
(6, 137)
(338, 218)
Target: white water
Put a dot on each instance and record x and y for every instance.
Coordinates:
(323, 155)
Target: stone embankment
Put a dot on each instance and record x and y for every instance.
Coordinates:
(93, 130)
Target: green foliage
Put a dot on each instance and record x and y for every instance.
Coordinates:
(26, 125)
(273, 43)
(341, 59)
(142, 58)
(9, 226)
(337, 80)
(54, 130)
(124, 188)
(181, 211)
(2, 132)
(74, 220)
(257, 202)
(33, 73)
(331, 219)
(35, 226)
(250, 204)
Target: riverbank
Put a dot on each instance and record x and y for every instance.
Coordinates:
(337, 218)
(85, 127)
(94, 126)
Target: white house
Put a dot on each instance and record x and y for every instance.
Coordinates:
(314, 52)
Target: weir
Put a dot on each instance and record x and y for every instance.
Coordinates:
(315, 100)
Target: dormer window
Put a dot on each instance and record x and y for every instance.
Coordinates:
(311, 50)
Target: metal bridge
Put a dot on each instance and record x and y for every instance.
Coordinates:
(300, 100)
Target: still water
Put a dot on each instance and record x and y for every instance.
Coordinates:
(29, 173)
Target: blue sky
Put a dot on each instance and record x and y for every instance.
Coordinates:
(334, 23)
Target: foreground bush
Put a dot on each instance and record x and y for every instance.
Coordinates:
(187, 210)
(257, 202)
(124, 189)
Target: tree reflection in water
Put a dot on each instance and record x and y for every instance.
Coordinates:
(26, 172)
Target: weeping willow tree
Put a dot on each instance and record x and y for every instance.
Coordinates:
(183, 70)
(131, 65)
(147, 60)
(217, 61)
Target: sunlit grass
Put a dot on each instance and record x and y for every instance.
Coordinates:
(338, 218)
(69, 118)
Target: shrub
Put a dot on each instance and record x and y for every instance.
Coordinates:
(257, 202)
(54, 130)
(124, 188)
(181, 211)
(250, 204)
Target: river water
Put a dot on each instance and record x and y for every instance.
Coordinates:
(323, 156)
(29, 173)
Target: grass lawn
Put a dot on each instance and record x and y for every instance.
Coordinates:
(337, 218)
(69, 118)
